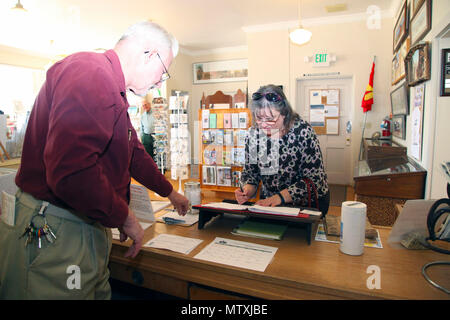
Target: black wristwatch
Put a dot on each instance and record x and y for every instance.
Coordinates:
(281, 197)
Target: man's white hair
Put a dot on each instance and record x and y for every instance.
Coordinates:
(147, 32)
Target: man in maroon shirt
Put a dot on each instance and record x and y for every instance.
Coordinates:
(79, 154)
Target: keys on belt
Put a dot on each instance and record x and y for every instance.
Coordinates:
(36, 233)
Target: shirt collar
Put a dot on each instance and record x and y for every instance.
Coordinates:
(113, 58)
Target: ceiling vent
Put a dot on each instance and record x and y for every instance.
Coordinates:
(336, 8)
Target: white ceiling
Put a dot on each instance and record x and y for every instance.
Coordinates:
(197, 24)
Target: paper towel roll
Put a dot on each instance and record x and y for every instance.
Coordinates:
(353, 227)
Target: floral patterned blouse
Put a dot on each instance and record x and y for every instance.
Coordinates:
(283, 163)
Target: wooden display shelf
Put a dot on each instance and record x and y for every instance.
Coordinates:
(222, 148)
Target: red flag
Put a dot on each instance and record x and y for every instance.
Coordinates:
(367, 100)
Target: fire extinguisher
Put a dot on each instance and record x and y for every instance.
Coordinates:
(386, 128)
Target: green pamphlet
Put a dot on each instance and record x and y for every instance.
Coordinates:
(258, 229)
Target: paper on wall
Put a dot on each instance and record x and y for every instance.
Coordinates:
(317, 115)
(332, 126)
(331, 111)
(333, 97)
(315, 97)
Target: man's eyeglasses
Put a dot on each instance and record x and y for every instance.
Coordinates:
(270, 96)
(165, 75)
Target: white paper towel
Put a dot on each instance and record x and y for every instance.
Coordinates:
(353, 227)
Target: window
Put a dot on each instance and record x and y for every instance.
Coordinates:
(19, 87)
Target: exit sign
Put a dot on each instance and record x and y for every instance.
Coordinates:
(321, 59)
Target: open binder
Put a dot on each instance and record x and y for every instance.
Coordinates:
(306, 216)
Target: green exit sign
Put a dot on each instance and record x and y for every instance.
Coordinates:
(320, 57)
(323, 59)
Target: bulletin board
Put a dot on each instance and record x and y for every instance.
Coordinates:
(324, 107)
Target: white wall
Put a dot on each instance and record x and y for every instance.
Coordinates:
(280, 62)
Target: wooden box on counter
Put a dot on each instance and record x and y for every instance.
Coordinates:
(382, 149)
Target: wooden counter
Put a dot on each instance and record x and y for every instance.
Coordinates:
(298, 271)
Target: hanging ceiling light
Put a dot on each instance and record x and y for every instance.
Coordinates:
(19, 7)
(300, 36)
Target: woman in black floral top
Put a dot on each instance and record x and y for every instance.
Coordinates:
(282, 151)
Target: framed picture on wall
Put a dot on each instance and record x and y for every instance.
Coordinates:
(445, 73)
(400, 29)
(417, 105)
(399, 99)
(398, 63)
(414, 6)
(417, 64)
(399, 126)
(420, 22)
(220, 71)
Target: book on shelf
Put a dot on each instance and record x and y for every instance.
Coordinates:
(183, 118)
(209, 156)
(213, 120)
(209, 175)
(236, 178)
(235, 120)
(284, 211)
(205, 118)
(206, 136)
(241, 135)
(239, 156)
(227, 158)
(220, 120)
(219, 137)
(258, 229)
(243, 120)
(227, 120)
(224, 176)
(228, 138)
(174, 118)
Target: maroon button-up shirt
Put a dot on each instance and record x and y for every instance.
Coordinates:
(80, 149)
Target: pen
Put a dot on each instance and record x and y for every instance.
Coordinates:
(240, 186)
(168, 220)
(222, 242)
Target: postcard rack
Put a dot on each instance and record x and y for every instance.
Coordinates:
(224, 125)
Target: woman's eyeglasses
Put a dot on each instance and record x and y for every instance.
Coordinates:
(267, 121)
(270, 96)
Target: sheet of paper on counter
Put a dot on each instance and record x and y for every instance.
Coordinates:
(238, 254)
(173, 243)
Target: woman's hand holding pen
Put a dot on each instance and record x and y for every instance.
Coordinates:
(244, 193)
